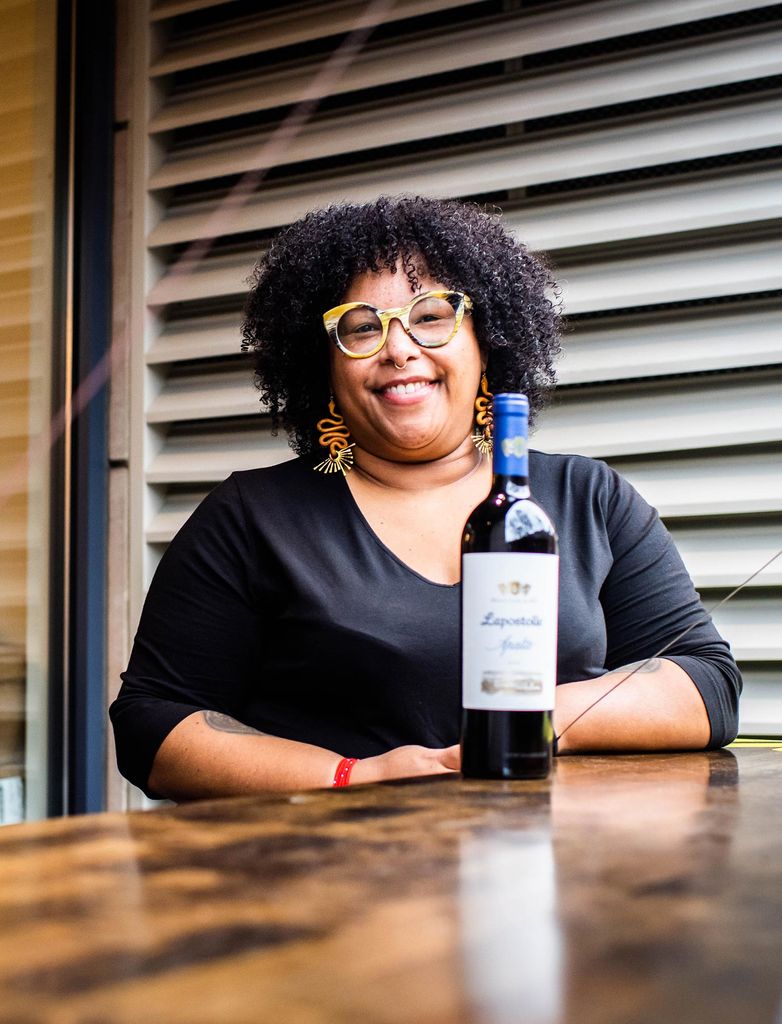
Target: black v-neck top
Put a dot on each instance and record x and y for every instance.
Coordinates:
(277, 604)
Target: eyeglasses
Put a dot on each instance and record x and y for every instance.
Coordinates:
(431, 320)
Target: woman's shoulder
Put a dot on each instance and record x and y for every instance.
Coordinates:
(574, 483)
(279, 477)
(287, 490)
(296, 473)
(556, 467)
(269, 505)
(236, 499)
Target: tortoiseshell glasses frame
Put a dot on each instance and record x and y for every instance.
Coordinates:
(434, 333)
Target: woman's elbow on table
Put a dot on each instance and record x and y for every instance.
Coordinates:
(650, 705)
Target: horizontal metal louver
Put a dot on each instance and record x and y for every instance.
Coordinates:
(760, 706)
(707, 413)
(709, 484)
(683, 272)
(637, 143)
(507, 37)
(680, 341)
(485, 105)
(507, 165)
(193, 456)
(294, 23)
(717, 555)
(194, 396)
(753, 626)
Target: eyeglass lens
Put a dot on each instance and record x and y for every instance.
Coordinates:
(432, 320)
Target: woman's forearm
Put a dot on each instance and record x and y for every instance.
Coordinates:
(210, 754)
(657, 708)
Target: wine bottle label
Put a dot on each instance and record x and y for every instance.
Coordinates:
(509, 631)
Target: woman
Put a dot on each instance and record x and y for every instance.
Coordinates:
(302, 616)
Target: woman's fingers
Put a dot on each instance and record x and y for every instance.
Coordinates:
(406, 762)
(434, 760)
(451, 757)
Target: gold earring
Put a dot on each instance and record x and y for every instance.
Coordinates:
(484, 420)
(334, 436)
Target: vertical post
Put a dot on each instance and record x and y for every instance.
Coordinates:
(62, 365)
(92, 167)
(78, 724)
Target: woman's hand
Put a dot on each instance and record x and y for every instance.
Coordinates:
(406, 762)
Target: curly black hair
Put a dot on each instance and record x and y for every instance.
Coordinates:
(310, 265)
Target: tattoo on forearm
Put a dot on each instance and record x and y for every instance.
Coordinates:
(652, 665)
(224, 723)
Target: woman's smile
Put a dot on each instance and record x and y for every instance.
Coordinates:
(406, 391)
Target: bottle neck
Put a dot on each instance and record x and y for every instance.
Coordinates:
(511, 457)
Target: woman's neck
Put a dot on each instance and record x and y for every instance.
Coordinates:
(459, 466)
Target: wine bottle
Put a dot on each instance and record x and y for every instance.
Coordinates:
(510, 589)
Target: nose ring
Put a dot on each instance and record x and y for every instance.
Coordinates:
(396, 364)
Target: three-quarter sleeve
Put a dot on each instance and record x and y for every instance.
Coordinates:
(198, 640)
(649, 603)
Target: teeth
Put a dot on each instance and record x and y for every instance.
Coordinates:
(407, 389)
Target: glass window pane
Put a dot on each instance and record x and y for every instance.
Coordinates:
(27, 59)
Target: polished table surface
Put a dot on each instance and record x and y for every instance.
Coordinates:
(623, 889)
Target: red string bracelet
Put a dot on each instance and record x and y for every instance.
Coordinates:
(342, 774)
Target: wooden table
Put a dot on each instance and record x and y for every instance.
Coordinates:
(624, 889)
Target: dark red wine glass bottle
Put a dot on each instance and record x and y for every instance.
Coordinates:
(510, 590)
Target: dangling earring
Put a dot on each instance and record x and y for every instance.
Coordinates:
(334, 436)
(484, 420)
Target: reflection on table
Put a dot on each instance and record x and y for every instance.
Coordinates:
(632, 888)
